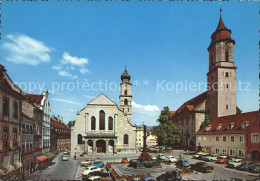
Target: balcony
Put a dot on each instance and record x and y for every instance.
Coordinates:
(100, 135)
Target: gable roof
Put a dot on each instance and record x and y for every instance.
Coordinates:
(37, 98)
(102, 99)
(193, 103)
(237, 119)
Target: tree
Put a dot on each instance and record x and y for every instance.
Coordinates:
(205, 123)
(167, 132)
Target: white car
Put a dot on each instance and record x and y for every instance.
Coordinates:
(90, 169)
(84, 163)
(94, 178)
(170, 159)
(199, 153)
(235, 163)
(161, 156)
(65, 158)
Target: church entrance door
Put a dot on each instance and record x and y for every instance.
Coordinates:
(101, 146)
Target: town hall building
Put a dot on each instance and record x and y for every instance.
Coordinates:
(102, 127)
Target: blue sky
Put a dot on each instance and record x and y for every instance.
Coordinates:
(55, 42)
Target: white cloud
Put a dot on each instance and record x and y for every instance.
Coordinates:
(23, 49)
(90, 97)
(54, 67)
(64, 101)
(149, 108)
(64, 73)
(84, 71)
(67, 59)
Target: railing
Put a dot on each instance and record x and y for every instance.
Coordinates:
(100, 135)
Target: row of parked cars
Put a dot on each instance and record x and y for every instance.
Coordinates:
(231, 162)
(94, 170)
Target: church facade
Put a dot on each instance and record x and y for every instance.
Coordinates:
(103, 127)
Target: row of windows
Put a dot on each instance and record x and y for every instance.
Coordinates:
(226, 57)
(6, 107)
(240, 153)
(102, 122)
(224, 138)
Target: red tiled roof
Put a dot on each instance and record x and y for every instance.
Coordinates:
(59, 125)
(238, 119)
(37, 98)
(193, 103)
(221, 24)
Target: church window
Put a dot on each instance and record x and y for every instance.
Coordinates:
(227, 85)
(93, 123)
(79, 139)
(110, 123)
(227, 74)
(125, 92)
(211, 59)
(226, 107)
(125, 139)
(227, 56)
(125, 102)
(101, 120)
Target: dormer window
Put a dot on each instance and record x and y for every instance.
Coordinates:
(243, 126)
(208, 127)
(219, 126)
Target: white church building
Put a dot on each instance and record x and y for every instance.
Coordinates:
(102, 127)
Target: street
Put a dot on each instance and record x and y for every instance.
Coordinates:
(71, 169)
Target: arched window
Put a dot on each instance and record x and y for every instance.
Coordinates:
(126, 139)
(227, 56)
(211, 59)
(125, 92)
(110, 123)
(79, 139)
(101, 120)
(93, 123)
(125, 102)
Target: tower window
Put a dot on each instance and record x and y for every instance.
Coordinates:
(227, 74)
(125, 92)
(125, 102)
(227, 85)
(227, 56)
(211, 59)
(226, 107)
(101, 120)
(125, 139)
(80, 139)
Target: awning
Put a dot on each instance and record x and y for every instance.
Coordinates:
(49, 155)
(41, 158)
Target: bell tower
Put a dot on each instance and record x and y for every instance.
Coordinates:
(221, 78)
(126, 95)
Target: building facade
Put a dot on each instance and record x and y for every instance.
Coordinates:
(151, 138)
(10, 121)
(235, 136)
(42, 102)
(139, 136)
(102, 127)
(60, 135)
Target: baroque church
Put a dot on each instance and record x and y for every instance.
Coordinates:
(102, 127)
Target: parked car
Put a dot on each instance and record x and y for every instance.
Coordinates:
(196, 155)
(170, 159)
(154, 157)
(202, 157)
(94, 178)
(168, 148)
(124, 160)
(99, 173)
(255, 168)
(91, 169)
(161, 156)
(65, 158)
(222, 159)
(96, 163)
(245, 166)
(173, 175)
(235, 163)
(147, 178)
(201, 167)
(183, 163)
(84, 163)
(213, 157)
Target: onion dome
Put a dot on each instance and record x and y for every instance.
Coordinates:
(125, 75)
(222, 33)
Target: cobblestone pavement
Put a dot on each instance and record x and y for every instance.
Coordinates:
(71, 169)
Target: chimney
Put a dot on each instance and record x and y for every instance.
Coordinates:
(58, 118)
(61, 120)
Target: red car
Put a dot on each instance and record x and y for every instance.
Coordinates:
(222, 159)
